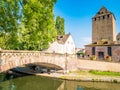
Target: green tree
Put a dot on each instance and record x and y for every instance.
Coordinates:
(26, 24)
(38, 24)
(9, 23)
(59, 25)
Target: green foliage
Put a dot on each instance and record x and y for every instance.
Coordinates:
(93, 57)
(38, 24)
(59, 25)
(105, 73)
(9, 23)
(81, 53)
(26, 24)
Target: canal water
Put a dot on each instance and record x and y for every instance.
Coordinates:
(44, 83)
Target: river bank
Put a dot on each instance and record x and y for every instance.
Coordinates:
(83, 76)
(79, 75)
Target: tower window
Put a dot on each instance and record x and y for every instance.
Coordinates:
(99, 18)
(108, 16)
(95, 19)
(103, 17)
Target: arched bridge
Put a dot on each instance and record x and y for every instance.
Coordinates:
(12, 58)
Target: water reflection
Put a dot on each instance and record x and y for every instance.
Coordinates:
(44, 83)
(31, 83)
(73, 85)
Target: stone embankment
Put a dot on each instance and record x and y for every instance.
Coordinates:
(98, 65)
(83, 76)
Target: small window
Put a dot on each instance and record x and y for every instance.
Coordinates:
(109, 51)
(108, 16)
(93, 50)
(105, 42)
(94, 43)
(99, 18)
(61, 36)
(95, 19)
(103, 17)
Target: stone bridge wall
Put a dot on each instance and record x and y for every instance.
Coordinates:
(10, 59)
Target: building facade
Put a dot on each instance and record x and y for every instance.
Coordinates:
(104, 41)
(63, 44)
(118, 38)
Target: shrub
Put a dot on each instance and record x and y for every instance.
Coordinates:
(93, 57)
(108, 58)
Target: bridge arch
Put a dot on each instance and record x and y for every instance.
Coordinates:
(10, 59)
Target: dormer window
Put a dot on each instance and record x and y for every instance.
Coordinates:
(94, 43)
(105, 42)
(61, 36)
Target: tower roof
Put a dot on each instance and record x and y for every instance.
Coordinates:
(103, 11)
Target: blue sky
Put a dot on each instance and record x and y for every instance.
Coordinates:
(78, 14)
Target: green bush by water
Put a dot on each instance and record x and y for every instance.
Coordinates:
(104, 73)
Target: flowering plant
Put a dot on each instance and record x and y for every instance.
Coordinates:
(108, 58)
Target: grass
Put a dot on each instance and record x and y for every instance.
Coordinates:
(104, 73)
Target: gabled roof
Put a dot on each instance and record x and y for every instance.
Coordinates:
(61, 39)
(103, 11)
(118, 36)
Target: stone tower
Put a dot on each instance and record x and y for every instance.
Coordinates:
(103, 26)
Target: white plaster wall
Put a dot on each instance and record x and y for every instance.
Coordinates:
(68, 47)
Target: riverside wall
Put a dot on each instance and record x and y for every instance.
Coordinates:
(98, 65)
